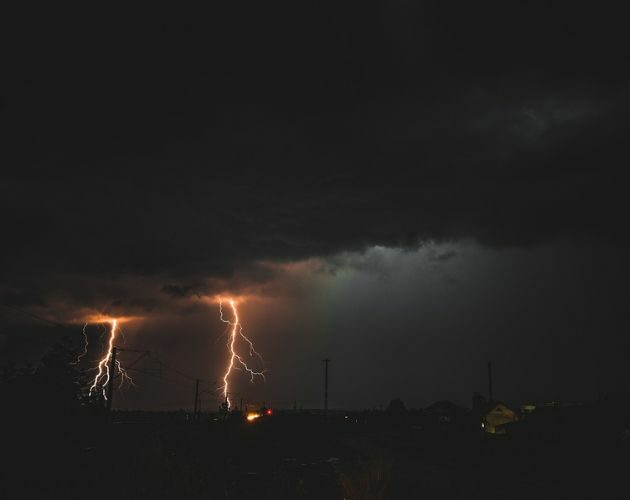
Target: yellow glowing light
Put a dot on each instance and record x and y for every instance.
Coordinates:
(103, 318)
(528, 408)
(237, 331)
(253, 416)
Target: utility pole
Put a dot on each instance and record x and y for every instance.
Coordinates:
(110, 386)
(196, 399)
(490, 381)
(326, 361)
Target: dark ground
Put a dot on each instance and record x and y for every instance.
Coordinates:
(574, 454)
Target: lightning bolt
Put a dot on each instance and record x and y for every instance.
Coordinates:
(85, 346)
(236, 361)
(103, 375)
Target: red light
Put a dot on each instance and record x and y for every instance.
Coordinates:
(269, 412)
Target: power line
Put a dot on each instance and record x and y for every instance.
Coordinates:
(35, 316)
(181, 373)
(164, 365)
(160, 377)
(151, 355)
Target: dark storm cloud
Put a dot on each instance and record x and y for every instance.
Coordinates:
(20, 298)
(179, 291)
(170, 143)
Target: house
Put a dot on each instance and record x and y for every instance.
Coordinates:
(496, 416)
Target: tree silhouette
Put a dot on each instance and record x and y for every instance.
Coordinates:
(51, 394)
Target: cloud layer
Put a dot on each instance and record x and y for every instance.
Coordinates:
(157, 158)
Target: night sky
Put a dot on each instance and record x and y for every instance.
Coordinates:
(408, 188)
